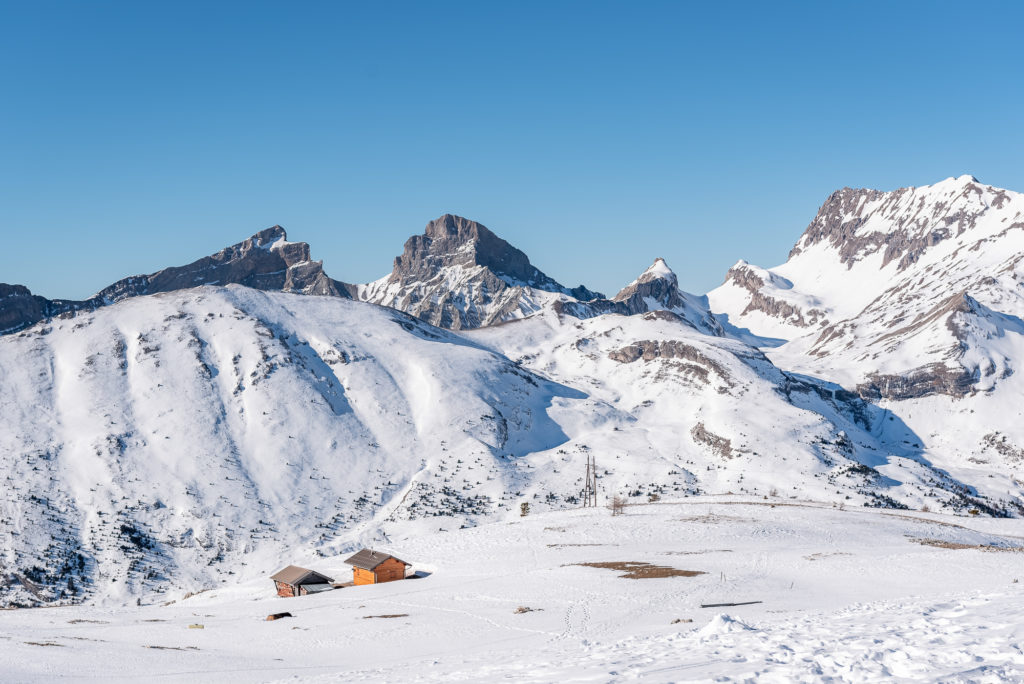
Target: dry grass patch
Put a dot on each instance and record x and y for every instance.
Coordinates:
(943, 544)
(640, 570)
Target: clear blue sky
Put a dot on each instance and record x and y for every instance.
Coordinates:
(594, 136)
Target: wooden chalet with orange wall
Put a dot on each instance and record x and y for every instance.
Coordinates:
(374, 567)
(296, 581)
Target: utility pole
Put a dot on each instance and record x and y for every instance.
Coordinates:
(590, 483)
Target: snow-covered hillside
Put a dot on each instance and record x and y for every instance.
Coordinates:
(175, 441)
(170, 441)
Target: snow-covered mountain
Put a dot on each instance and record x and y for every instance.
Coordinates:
(913, 299)
(163, 436)
(169, 442)
(900, 294)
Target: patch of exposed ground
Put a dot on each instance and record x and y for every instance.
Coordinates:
(396, 615)
(641, 570)
(943, 544)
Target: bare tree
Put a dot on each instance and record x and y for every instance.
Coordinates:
(524, 509)
(617, 505)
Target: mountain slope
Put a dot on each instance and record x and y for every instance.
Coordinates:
(170, 441)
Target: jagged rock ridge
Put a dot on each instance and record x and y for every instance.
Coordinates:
(265, 261)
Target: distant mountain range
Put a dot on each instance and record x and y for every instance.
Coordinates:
(211, 419)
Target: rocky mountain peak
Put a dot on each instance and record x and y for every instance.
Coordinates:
(458, 274)
(453, 241)
(657, 289)
(659, 270)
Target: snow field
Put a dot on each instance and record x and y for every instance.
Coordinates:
(846, 595)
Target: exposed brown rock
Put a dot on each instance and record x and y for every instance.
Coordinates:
(934, 378)
(718, 445)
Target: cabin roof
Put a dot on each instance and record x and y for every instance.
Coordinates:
(295, 575)
(368, 559)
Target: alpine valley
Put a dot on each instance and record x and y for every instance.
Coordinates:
(194, 427)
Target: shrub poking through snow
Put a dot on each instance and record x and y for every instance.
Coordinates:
(617, 505)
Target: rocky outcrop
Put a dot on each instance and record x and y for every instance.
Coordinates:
(931, 379)
(718, 445)
(744, 277)
(459, 275)
(266, 261)
(688, 359)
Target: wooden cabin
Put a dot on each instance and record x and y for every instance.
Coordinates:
(374, 567)
(296, 581)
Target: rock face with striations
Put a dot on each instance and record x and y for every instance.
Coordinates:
(266, 261)
(459, 275)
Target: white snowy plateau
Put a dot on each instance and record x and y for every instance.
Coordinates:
(838, 438)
